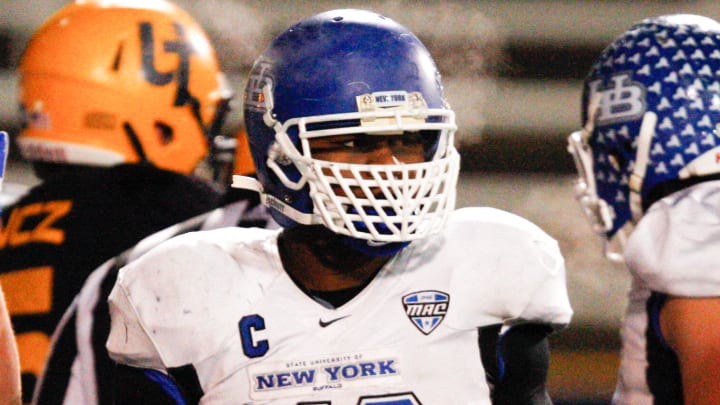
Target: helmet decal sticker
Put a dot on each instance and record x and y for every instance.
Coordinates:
(259, 77)
(181, 46)
(622, 100)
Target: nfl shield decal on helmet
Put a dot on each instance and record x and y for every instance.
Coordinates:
(426, 309)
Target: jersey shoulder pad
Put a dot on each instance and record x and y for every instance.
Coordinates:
(178, 303)
(513, 265)
(673, 247)
(488, 219)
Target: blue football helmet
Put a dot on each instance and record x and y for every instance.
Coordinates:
(350, 72)
(650, 109)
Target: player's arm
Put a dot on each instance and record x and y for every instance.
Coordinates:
(516, 363)
(9, 363)
(691, 327)
(135, 386)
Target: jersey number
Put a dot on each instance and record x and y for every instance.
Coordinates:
(406, 398)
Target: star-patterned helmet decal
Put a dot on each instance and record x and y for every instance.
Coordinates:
(669, 66)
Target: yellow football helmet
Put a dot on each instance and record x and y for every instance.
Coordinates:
(108, 82)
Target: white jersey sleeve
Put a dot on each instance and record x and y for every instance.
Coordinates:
(515, 271)
(674, 249)
(182, 282)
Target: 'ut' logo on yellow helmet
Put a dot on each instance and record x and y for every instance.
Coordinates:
(121, 83)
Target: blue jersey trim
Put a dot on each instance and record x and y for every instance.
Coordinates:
(167, 384)
(3, 154)
(500, 358)
(655, 304)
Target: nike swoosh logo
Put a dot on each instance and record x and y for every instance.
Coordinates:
(330, 322)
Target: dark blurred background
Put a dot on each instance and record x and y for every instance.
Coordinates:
(513, 73)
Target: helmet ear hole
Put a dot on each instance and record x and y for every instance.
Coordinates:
(165, 133)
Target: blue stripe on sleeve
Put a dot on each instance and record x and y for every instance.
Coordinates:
(167, 384)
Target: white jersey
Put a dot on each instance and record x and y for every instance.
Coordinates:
(221, 302)
(673, 250)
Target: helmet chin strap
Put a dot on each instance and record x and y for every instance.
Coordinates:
(642, 156)
(250, 183)
(363, 246)
(369, 248)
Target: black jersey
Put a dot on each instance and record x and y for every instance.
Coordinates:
(62, 229)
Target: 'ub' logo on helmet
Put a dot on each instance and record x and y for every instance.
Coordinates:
(622, 99)
(426, 309)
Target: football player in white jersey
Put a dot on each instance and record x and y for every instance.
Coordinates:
(376, 291)
(648, 162)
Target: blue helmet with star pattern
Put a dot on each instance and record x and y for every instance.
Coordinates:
(650, 109)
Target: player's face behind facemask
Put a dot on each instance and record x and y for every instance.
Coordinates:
(295, 114)
(144, 86)
(650, 107)
(365, 149)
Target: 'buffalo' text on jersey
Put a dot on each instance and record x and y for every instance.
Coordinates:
(220, 301)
